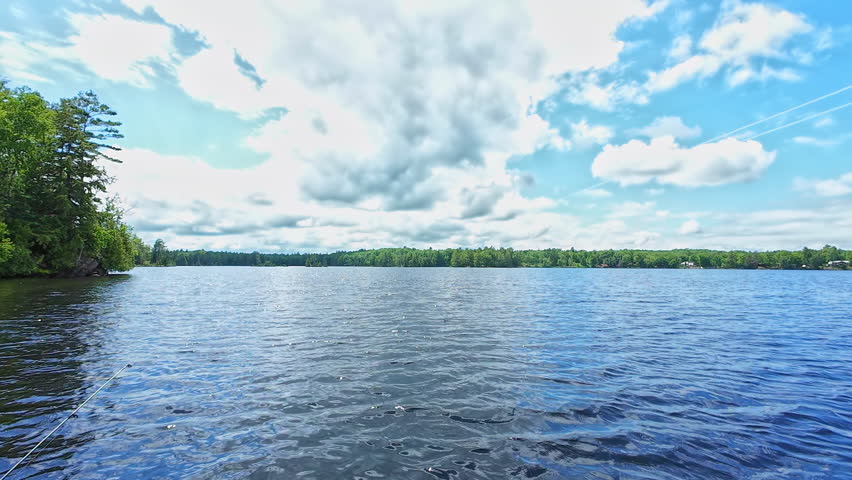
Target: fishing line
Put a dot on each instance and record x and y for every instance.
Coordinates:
(63, 421)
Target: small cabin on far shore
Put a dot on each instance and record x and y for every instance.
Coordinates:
(689, 265)
(838, 264)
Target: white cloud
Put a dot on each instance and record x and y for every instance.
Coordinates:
(109, 46)
(747, 73)
(778, 229)
(19, 56)
(120, 49)
(689, 227)
(582, 36)
(399, 121)
(664, 161)
(662, 126)
(744, 30)
(262, 208)
(825, 188)
(587, 89)
(631, 209)
(655, 191)
(595, 193)
(815, 142)
(259, 208)
(825, 121)
(748, 42)
(662, 213)
(681, 47)
(742, 33)
(584, 135)
(382, 100)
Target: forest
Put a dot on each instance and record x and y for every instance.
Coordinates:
(504, 258)
(55, 218)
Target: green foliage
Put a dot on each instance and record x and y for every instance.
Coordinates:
(113, 241)
(160, 254)
(51, 183)
(508, 258)
(141, 251)
(316, 261)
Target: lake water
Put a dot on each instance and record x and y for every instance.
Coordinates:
(282, 373)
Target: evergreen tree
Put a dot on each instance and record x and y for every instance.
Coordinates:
(52, 218)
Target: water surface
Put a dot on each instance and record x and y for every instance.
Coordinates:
(281, 373)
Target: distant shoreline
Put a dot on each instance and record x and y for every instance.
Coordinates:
(823, 269)
(826, 258)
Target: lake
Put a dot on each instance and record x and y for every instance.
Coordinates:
(422, 373)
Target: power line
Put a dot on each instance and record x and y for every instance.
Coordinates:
(847, 87)
(809, 117)
(776, 115)
(591, 188)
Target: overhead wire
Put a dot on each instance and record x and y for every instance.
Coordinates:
(765, 119)
(805, 119)
(776, 115)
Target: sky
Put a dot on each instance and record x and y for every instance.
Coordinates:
(327, 125)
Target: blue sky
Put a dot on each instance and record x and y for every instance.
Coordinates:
(326, 125)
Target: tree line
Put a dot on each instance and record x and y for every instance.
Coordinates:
(54, 217)
(504, 257)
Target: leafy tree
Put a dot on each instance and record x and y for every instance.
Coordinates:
(159, 254)
(51, 183)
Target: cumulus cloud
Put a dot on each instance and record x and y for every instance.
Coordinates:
(743, 34)
(668, 125)
(261, 208)
(381, 99)
(219, 210)
(779, 229)
(748, 42)
(587, 89)
(631, 209)
(584, 135)
(825, 188)
(664, 161)
(380, 102)
(109, 46)
(480, 201)
(689, 227)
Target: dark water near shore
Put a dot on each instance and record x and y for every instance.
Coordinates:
(282, 373)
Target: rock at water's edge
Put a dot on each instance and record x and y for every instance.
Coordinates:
(86, 267)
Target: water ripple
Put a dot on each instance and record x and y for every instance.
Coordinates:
(280, 373)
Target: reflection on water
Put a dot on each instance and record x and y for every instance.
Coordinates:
(270, 373)
(47, 334)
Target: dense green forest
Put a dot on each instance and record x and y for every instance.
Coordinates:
(54, 219)
(504, 257)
